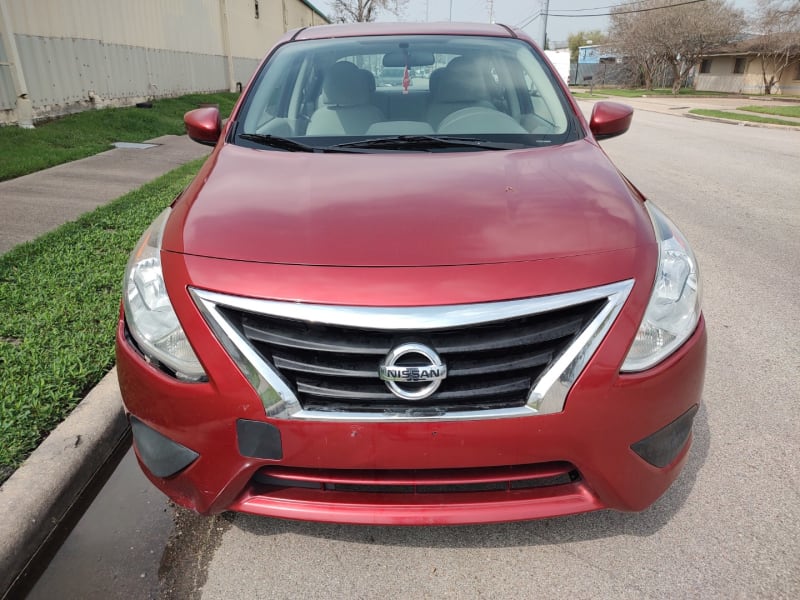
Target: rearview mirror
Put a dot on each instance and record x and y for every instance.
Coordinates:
(410, 59)
(610, 119)
(203, 125)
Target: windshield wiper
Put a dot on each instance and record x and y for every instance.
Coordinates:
(276, 141)
(427, 142)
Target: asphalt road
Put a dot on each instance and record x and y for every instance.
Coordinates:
(729, 527)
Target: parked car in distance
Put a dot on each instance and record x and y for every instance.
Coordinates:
(435, 307)
(392, 76)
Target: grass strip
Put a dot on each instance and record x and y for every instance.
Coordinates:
(59, 300)
(584, 95)
(642, 93)
(781, 111)
(84, 134)
(724, 114)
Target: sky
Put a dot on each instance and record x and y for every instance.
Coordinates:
(516, 13)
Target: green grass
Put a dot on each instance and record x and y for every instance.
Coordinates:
(59, 297)
(781, 111)
(724, 114)
(84, 134)
(640, 93)
(585, 95)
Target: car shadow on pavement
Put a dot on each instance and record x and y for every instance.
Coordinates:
(589, 526)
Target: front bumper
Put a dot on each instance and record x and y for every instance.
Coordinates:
(605, 415)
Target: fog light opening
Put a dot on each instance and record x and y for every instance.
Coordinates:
(661, 448)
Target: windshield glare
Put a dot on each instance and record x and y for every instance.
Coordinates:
(340, 90)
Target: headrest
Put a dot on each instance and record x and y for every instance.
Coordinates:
(345, 85)
(369, 78)
(462, 81)
(435, 81)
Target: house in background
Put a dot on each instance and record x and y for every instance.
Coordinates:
(737, 68)
(597, 65)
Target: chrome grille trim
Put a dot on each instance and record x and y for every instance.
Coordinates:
(548, 394)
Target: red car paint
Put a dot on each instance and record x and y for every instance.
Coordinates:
(468, 227)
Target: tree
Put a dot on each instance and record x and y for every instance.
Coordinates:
(361, 11)
(633, 39)
(778, 43)
(576, 40)
(676, 33)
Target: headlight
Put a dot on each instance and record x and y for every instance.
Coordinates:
(674, 308)
(148, 311)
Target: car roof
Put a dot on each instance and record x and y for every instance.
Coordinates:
(361, 29)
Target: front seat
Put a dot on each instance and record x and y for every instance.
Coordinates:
(346, 107)
(460, 85)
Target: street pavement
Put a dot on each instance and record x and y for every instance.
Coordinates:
(727, 528)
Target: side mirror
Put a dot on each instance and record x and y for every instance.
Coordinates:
(203, 125)
(610, 119)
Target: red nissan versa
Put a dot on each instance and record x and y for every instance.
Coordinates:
(434, 303)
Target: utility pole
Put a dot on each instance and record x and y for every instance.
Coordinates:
(544, 26)
(451, 11)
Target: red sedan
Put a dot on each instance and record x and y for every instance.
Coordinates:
(427, 304)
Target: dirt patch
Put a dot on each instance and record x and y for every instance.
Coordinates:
(184, 564)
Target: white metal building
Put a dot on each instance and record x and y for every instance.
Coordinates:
(60, 56)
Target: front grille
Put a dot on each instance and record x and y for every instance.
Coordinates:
(428, 481)
(489, 365)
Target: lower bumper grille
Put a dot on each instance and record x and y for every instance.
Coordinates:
(433, 481)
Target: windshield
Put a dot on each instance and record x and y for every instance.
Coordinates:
(426, 92)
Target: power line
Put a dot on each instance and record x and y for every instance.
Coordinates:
(626, 12)
(567, 10)
(531, 20)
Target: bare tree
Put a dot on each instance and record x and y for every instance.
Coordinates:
(364, 11)
(675, 32)
(778, 43)
(632, 37)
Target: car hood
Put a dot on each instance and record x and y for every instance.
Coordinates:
(407, 208)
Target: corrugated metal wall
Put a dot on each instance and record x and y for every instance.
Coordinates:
(7, 95)
(119, 51)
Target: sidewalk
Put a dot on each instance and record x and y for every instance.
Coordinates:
(37, 203)
(38, 497)
(681, 105)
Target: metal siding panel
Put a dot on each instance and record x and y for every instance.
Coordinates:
(8, 95)
(65, 72)
(185, 25)
(243, 69)
(175, 73)
(35, 60)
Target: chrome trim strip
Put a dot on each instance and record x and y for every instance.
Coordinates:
(547, 396)
(277, 397)
(416, 317)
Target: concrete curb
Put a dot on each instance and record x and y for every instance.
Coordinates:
(741, 123)
(39, 495)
